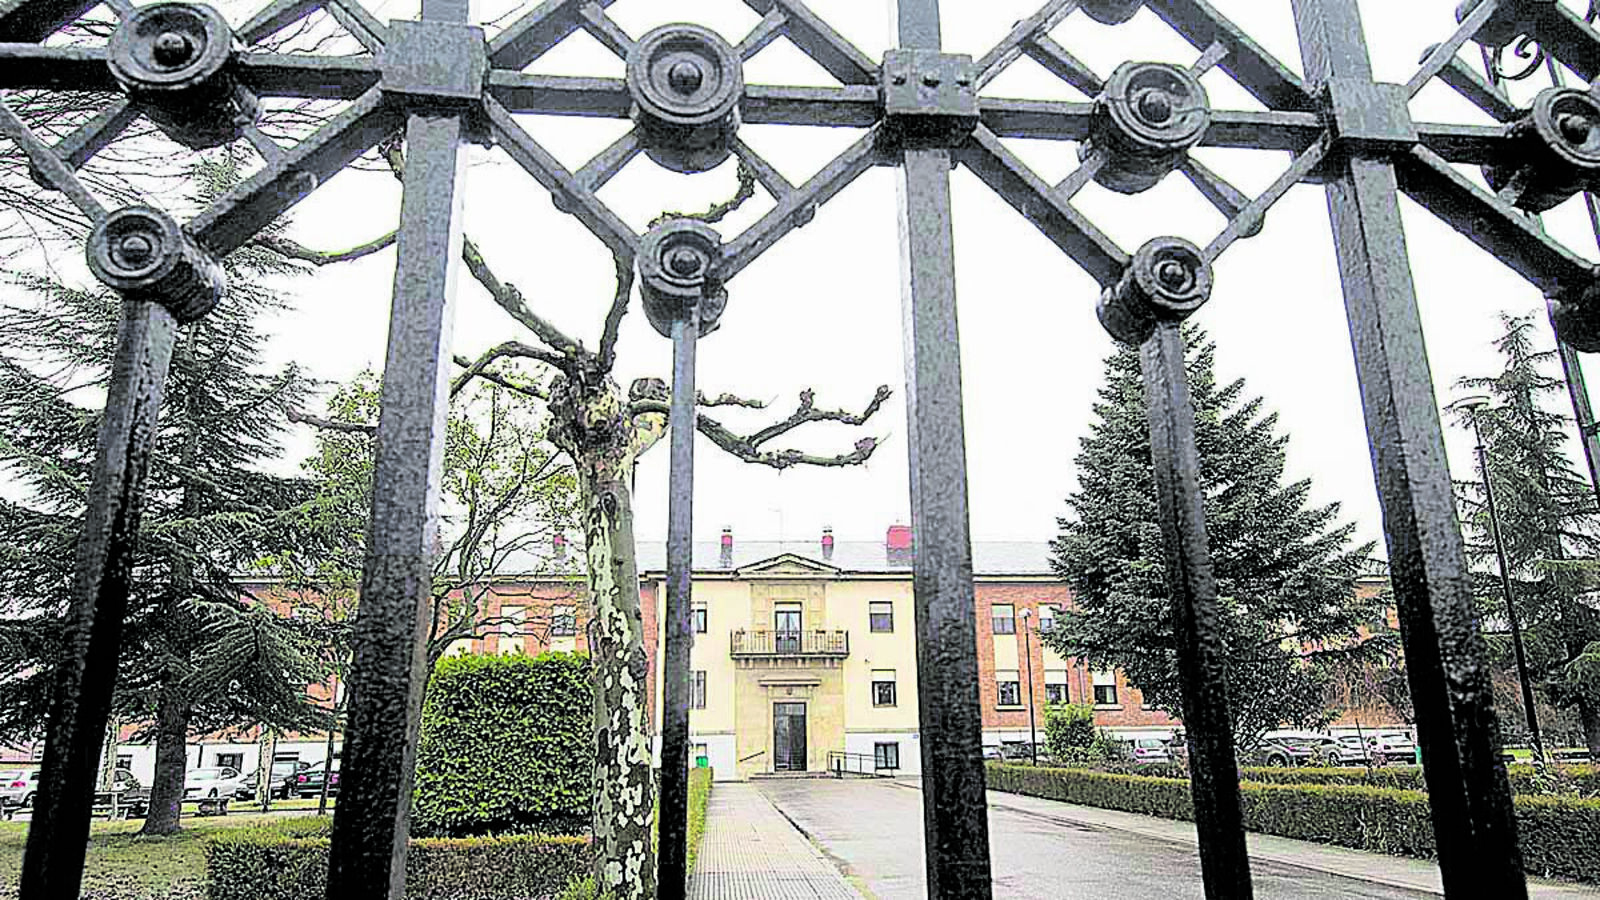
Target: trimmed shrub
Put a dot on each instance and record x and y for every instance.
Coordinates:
(699, 795)
(1068, 729)
(266, 864)
(1559, 836)
(1578, 779)
(506, 746)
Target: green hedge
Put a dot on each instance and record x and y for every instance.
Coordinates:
(699, 795)
(1560, 836)
(506, 746)
(1581, 779)
(270, 863)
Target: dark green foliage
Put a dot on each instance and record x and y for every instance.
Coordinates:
(1549, 522)
(1559, 836)
(506, 746)
(197, 654)
(1068, 729)
(265, 864)
(1285, 570)
(1575, 780)
(699, 795)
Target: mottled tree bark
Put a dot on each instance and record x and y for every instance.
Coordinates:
(590, 422)
(172, 759)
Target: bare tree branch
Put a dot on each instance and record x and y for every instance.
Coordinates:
(719, 211)
(726, 399)
(619, 308)
(295, 250)
(509, 349)
(748, 448)
(510, 299)
(305, 418)
(808, 412)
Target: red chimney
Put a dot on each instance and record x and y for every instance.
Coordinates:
(726, 557)
(827, 543)
(899, 537)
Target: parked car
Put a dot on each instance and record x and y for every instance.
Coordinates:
(1149, 750)
(1392, 746)
(280, 782)
(1279, 750)
(1324, 749)
(1018, 750)
(17, 787)
(212, 787)
(127, 798)
(308, 781)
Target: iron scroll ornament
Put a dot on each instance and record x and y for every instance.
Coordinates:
(444, 82)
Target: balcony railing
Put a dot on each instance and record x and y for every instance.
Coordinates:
(817, 643)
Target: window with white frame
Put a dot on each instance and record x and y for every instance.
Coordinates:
(880, 616)
(1105, 688)
(1005, 618)
(886, 755)
(883, 688)
(1047, 618)
(511, 622)
(1055, 686)
(697, 689)
(563, 621)
(1007, 688)
(700, 619)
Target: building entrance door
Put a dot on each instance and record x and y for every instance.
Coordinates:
(789, 737)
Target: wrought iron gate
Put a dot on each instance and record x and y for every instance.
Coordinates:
(438, 79)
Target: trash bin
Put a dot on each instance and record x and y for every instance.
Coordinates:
(701, 762)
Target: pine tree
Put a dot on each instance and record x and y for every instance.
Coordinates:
(1550, 524)
(1285, 570)
(197, 653)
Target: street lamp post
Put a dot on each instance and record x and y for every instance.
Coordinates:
(1471, 405)
(1027, 655)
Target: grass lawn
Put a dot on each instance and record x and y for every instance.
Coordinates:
(121, 865)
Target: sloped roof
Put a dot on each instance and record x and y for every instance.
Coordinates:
(988, 557)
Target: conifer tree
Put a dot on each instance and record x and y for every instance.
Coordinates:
(1549, 521)
(198, 654)
(1285, 569)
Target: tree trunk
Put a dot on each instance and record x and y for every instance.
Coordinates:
(624, 782)
(172, 760)
(589, 422)
(1589, 715)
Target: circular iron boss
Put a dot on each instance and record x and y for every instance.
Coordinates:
(1148, 117)
(173, 57)
(1576, 317)
(1111, 12)
(1557, 150)
(1168, 280)
(677, 270)
(142, 253)
(686, 82)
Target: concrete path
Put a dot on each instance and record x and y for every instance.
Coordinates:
(1044, 849)
(751, 852)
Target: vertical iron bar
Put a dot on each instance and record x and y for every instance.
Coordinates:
(1446, 658)
(954, 806)
(1582, 409)
(367, 858)
(52, 865)
(1202, 657)
(1529, 710)
(672, 861)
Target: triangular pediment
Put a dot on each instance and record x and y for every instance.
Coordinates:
(788, 564)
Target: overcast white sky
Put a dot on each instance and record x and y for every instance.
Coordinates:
(822, 309)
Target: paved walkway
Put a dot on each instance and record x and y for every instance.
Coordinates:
(751, 852)
(1055, 851)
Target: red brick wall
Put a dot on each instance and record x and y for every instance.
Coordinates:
(1080, 684)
